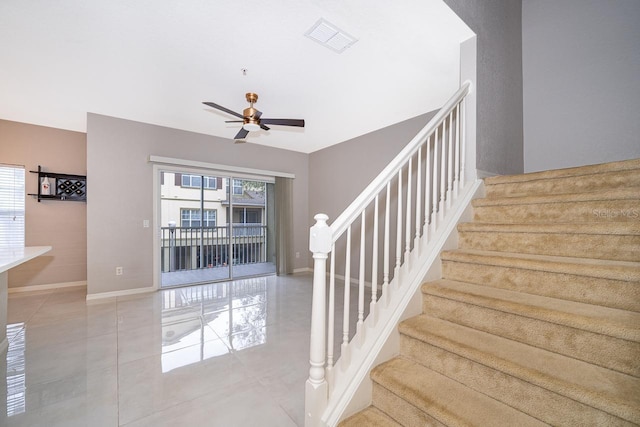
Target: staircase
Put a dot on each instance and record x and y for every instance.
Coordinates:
(536, 320)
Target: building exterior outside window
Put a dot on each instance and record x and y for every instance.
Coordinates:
(202, 228)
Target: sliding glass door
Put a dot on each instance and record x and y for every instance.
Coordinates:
(214, 228)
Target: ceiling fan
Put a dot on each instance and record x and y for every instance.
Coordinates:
(251, 118)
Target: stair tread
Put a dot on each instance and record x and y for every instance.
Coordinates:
(570, 337)
(601, 268)
(442, 397)
(565, 172)
(613, 322)
(599, 387)
(599, 195)
(371, 417)
(608, 228)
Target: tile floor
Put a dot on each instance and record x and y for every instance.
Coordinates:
(211, 355)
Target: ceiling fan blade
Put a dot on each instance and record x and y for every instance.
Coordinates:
(221, 108)
(234, 121)
(263, 127)
(257, 114)
(284, 122)
(242, 134)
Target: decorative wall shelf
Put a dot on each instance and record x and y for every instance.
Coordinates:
(62, 186)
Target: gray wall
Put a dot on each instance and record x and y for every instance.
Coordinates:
(120, 192)
(337, 174)
(581, 62)
(497, 24)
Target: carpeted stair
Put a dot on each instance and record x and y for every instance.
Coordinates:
(536, 320)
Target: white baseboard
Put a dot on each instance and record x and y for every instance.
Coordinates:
(123, 293)
(484, 174)
(302, 270)
(48, 287)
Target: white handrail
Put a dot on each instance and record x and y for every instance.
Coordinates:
(353, 210)
(435, 153)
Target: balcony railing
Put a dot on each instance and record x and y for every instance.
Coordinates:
(191, 248)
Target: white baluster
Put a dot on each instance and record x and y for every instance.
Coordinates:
(443, 173)
(374, 260)
(434, 193)
(386, 260)
(396, 271)
(463, 138)
(456, 185)
(450, 163)
(427, 191)
(316, 387)
(416, 240)
(361, 279)
(347, 299)
(332, 312)
(407, 235)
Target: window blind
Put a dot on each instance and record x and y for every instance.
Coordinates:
(12, 193)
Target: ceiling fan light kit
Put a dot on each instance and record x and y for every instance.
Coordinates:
(251, 118)
(251, 127)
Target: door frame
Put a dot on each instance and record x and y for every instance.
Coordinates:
(161, 164)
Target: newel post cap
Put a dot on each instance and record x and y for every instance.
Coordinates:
(320, 235)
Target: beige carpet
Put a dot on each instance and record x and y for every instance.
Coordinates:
(536, 320)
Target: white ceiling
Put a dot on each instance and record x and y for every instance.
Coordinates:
(155, 61)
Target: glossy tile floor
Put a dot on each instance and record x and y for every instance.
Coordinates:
(225, 354)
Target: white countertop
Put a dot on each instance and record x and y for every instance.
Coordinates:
(12, 256)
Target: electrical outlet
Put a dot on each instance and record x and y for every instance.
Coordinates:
(119, 271)
(145, 223)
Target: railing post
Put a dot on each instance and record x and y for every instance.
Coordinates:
(316, 388)
(172, 246)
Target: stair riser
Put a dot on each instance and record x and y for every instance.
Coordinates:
(591, 290)
(370, 416)
(592, 211)
(599, 246)
(573, 184)
(579, 344)
(400, 410)
(519, 393)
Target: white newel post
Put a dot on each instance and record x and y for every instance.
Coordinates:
(316, 389)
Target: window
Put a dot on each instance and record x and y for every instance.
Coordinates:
(253, 216)
(192, 218)
(237, 187)
(12, 192)
(247, 215)
(191, 181)
(194, 181)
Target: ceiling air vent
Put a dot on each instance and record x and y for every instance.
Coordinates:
(330, 36)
